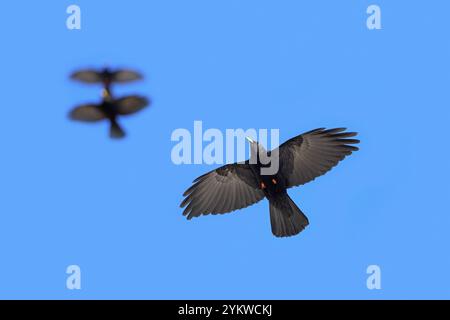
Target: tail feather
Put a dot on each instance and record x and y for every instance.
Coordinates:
(285, 217)
(116, 131)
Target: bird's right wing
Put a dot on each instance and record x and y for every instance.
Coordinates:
(87, 76)
(126, 76)
(313, 153)
(223, 190)
(131, 104)
(87, 113)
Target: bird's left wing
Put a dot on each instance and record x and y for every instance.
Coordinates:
(131, 104)
(122, 76)
(223, 190)
(313, 153)
(87, 76)
(87, 113)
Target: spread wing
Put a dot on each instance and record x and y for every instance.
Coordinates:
(87, 113)
(225, 189)
(131, 104)
(87, 76)
(312, 154)
(126, 76)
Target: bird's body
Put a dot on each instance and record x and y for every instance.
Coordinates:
(238, 185)
(110, 110)
(271, 185)
(106, 76)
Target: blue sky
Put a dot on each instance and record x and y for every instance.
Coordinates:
(70, 195)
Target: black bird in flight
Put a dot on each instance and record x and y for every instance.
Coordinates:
(110, 109)
(239, 185)
(106, 76)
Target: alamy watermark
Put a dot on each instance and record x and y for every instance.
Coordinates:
(73, 281)
(212, 146)
(374, 280)
(73, 21)
(374, 20)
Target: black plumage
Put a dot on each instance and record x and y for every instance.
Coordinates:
(110, 109)
(239, 185)
(106, 76)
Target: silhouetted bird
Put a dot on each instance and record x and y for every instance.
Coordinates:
(110, 109)
(239, 185)
(106, 76)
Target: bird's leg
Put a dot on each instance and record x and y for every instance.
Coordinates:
(263, 186)
(274, 181)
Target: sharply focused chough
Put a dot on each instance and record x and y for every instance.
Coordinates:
(239, 185)
(110, 109)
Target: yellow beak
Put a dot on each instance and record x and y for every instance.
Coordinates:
(105, 94)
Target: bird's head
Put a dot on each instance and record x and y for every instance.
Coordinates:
(256, 149)
(106, 69)
(267, 160)
(253, 143)
(106, 95)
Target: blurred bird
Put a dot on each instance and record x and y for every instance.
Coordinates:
(110, 109)
(106, 76)
(239, 185)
